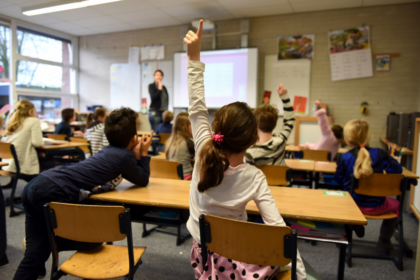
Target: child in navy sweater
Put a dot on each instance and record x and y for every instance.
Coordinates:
(126, 156)
(361, 162)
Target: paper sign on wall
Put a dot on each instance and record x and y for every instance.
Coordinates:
(133, 55)
(350, 53)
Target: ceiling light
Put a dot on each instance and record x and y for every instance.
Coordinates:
(62, 6)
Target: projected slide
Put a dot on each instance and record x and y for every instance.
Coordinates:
(227, 77)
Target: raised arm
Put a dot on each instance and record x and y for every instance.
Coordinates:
(199, 115)
(289, 114)
(323, 123)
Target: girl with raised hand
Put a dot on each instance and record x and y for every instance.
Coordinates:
(222, 183)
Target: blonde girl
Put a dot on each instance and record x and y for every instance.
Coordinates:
(222, 183)
(180, 146)
(23, 130)
(360, 162)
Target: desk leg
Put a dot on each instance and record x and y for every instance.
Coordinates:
(341, 262)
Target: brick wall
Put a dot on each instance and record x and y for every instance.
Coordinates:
(394, 29)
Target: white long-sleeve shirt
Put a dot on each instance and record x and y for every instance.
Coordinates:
(25, 139)
(240, 184)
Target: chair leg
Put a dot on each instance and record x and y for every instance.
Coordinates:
(349, 247)
(399, 261)
(13, 213)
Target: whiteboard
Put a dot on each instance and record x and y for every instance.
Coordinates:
(125, 86)
(293, 74)
(148, 71)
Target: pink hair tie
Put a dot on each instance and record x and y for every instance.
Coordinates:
(218, 138)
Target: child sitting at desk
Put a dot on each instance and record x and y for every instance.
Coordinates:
(360, 162)
(67, 117)
(165, 126)
(222, 183)
(95, 131)
(24, 132)
(332, 136)
(180, 146)
(126, 155)
(270, 148)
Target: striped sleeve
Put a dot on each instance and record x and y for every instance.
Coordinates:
(289, 118)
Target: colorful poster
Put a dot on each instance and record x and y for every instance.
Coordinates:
(350, 53)
(266, 98)
(382, 62)
(296, 47)
(299, 104)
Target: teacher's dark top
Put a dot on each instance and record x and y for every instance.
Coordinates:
(158, 97)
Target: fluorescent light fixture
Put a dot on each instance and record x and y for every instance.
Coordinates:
(62, 6)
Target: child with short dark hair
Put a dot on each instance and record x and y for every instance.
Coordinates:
(67, 116)
(222, 184)
(126, 155)
(270, 148)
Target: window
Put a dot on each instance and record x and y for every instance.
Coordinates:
(44, 62)
(49, 108)
(4, 65)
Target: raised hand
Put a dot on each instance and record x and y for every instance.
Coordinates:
(146, 141)
(318, 102)
(281, 90)
(193, 42)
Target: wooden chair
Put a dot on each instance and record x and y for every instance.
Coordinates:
(7, 151)
(96, 224)
(61, 137)
(382, 185)
(163, 137)
(316, 155)
(248, 242)
(166, 169)
(276, 175)
(86, 149)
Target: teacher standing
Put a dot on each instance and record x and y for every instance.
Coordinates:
(159, 98)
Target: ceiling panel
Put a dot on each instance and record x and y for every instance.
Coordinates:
(263, 11)
(306, 6)
(153, 15)
(139, 14)
(122, 7)
(96, 21)
(167, 3)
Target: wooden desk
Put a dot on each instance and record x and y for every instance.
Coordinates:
(63, 146)
(407, 152)
(140, 133)
(297, 149)
(77, 124)
(302, 165)
(159, 156)
(292, 203)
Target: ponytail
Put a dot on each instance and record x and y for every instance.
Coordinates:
(16, 118)
(89, 120)
(363, 165)
(213, 164)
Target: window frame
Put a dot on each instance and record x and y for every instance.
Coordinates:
(14, 24)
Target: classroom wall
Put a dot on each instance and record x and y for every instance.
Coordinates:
(394, 29)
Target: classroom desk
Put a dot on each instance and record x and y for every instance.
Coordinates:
(77, 124)
(297, 149)
(159, 156)
(48, 146)
(292, 203)
(301, 165)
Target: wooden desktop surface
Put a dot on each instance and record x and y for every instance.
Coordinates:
(303, 165)
(63, 146)
(407, 151)
(294, 203)
(297, 149)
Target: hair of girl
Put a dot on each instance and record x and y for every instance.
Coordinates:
(338, 132)
(238, 125)
(356, 134)
(99, 112)
(180, 132)
(21, 112)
